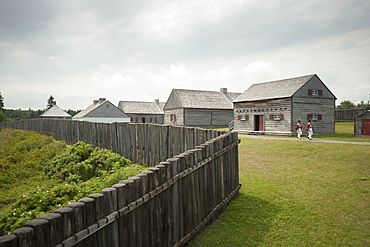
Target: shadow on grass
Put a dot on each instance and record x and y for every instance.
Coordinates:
(245, 222)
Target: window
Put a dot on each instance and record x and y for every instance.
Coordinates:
(314, 92)
(172, 117)
(314, 116)
(276, 117)
(244, 117)
(134, 119)
(153, 120)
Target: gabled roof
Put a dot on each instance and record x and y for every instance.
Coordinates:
(274, 89)
(55, 111)
(140, 107)
(89, 109)
(202, 99)
(94, 111)
(363, 113)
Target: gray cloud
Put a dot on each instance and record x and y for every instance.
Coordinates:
(81, 49)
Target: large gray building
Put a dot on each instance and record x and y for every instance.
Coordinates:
(196, 108)
(275, 107)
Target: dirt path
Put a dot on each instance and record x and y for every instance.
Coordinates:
(264, 137)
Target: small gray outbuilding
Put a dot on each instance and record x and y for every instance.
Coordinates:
(55, 112)
(362, 124)
(143, 112)
(103, 111)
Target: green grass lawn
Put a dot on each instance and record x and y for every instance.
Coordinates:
(297, 194)
(344, 132)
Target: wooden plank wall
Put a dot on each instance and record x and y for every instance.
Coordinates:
(194, 175)
(146, 144)
(347, 114)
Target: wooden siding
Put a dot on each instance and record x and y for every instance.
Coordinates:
(179, 116)
(266, 108)
(160, 118)
(302, 106)
(347, 114)
(359, 124)
(315, 84)
(173, 102)
(107, 109)
(208, 118)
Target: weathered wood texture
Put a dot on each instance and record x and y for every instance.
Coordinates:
(347, 114)
(193, 175)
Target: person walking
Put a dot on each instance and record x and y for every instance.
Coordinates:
(309, 129)
(298, 127)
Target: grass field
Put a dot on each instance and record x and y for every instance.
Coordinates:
(298, 194)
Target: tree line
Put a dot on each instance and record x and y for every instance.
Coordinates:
(19, 114)
(348, 103)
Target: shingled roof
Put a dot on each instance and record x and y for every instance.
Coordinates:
(141, 107)
(90, 108)
(55, 112)
(100, 108)
(274, 89)
(202, 99)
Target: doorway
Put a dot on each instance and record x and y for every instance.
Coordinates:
(258, 123)
(143, 119)
(366, 127)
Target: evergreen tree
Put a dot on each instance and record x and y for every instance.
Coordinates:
(3, 118)
(1, 102)
(50, 102)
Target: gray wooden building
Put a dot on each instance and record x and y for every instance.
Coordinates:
(275, 107)
(362, 124)
(102, 110)
(143, 112)
(196, 108)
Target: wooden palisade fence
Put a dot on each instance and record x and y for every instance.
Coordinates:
(193, 175)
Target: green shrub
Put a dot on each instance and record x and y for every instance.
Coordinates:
(80, 162)
(42, 201)
(39, 175)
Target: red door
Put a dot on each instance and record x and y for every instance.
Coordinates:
(366, 129)
(258, 122)
(261, 123)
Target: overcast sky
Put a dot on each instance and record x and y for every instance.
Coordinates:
(80, 50)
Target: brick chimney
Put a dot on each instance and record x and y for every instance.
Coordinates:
(223, 90)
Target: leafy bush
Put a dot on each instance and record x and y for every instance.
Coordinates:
(42, 201)
(80, 162)
(51, 174)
